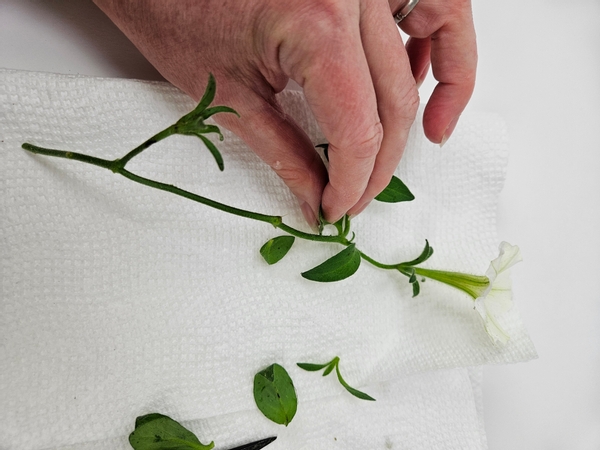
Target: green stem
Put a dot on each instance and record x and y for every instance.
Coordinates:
(105, 163)
(377, 263)
(310, 236)
(117, 167)
(140, 148)
(273, 220)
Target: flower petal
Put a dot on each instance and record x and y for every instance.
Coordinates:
(508, 257)
(492, 327)
(498, 297)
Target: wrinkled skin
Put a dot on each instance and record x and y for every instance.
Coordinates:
(359, 78)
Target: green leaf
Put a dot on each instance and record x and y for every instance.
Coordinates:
(312, 367)
(275, 249)
(209, 94)
(424, 256)
(395, 192)
(215, 152)
(332, 365)
(158, 432)
(315, 367)
(275, 395)
(217, 109)
(336, 268)
(416, 288)
(350, 389)
(210, 129)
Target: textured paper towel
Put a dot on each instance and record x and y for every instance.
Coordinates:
(119, 300)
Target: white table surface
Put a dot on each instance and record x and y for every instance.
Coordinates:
(540, 69)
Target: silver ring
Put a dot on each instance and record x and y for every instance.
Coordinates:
(405, 10)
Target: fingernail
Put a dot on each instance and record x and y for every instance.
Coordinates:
(449, 130)
(360, 209)
(309, 216)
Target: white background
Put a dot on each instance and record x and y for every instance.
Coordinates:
(540, 69)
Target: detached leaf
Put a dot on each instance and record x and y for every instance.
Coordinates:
(159, 432)
(395, 192)
(336, 268)
(312, 367)
(275, 249)
(350, 389)
(335, 364)
(332, 365)
(275, 395)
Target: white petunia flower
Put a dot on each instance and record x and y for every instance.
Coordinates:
(497, 298)
(492, 293)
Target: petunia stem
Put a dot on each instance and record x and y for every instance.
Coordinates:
(140, 148)
(377, 263)
(117, 166)
(105, 163)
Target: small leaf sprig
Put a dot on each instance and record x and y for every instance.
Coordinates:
(329, 366)
(342, 265)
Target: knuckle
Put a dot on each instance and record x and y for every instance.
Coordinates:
(298, 175)
(293, 177)
(409, 104)
(326, 13)
(323, 18)
(401, 109)
(364, 144)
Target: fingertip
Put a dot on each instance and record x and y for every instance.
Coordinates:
(359, 208)
(308, 212)
(449, 130)
(442, 112)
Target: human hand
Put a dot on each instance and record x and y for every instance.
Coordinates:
(346, 54)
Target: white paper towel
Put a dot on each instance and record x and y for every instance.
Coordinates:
(119, 300)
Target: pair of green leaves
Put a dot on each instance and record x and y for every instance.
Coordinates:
(329, 367)
(340, 266)
(158, 432)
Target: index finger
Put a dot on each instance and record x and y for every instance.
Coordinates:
(333, 70)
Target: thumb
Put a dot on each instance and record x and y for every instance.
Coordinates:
(278, 141)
